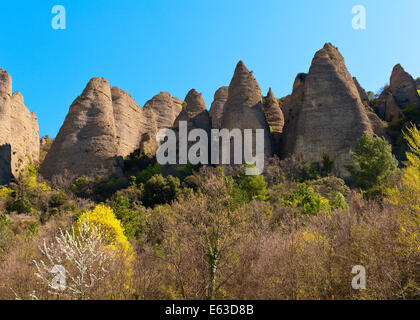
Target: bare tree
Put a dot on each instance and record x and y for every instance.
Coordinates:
(75, 262)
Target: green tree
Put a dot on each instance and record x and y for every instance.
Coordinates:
(160, 190)
(253, 186)
(309, 201)
(375, 163)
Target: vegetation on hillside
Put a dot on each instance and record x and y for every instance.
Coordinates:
(294, 232)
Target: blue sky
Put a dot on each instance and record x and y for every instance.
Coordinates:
(148, 46)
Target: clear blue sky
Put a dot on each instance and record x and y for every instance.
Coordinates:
(148, 46)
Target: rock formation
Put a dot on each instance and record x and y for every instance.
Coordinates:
(217, 107)
(244, 107)
(104, 125)
(86, 144)
(19, 132)
(326, 114)
(275, 119)
(161, 111)
(400, 94)
(403, 88)
(194, 112)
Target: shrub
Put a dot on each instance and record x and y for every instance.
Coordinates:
(81, 187)
(103, 219)
(6, 235)
(375, 163)
(253, 186)
(149, 172)
(308, 200)
(131, 218)
(160, 190)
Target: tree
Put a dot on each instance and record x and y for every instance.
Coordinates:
(160, 190)
(254, 186)
(75, 262)
(407, 195)
(375, 163)
(102, 219)
(308, 200)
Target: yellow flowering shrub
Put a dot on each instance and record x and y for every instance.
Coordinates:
(407, 195)
(109, 227)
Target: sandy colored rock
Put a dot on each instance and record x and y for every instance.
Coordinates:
(19, 132)
(275, 119)
(362, 93)
(26, 144)
(217, 107)
(130, 122)
(5, 109)
(166, 108)
(331, 117)
(392, 110)
(161, 112)
(244, 107)
(403, 88)
(194, 112)
(86, 144)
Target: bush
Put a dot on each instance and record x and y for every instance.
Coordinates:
(131, 218)
(308, 200)
(149, 172)
(81, 187)
(375, 163)
(253, 186)
(160, 190)
(103, 219)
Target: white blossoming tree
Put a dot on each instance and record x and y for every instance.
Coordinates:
(75, 262)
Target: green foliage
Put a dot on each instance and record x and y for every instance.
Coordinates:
(317, 170)
(309, 201)
(150, 171)
(81, 187)
(160, 190)
(21, 205)
(253, 186)
(132, 219)
(187, 170)
(375, 163)
(6, 235)
(337, 201)
(327, 165)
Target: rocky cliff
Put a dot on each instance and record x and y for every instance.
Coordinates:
(218, 106)
(326, 113)
(19, 132)
(244, 107)
(105, 124)
(400, 94)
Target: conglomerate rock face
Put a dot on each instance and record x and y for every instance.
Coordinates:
(19, 132)
(244, 108)
(86, 144)
(275, 119)
(218, 106)
(327, 116)
(104, 125)
(400, 94)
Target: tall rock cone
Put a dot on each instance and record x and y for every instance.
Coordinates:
(403, 88)
(19, 132)
(194, 112)
(131, 122)
(275, 119)
(86, 144)
(5, 110)
(218, 106)
(244, 107)
(161, 112)
(331, 116)
(400, 94)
